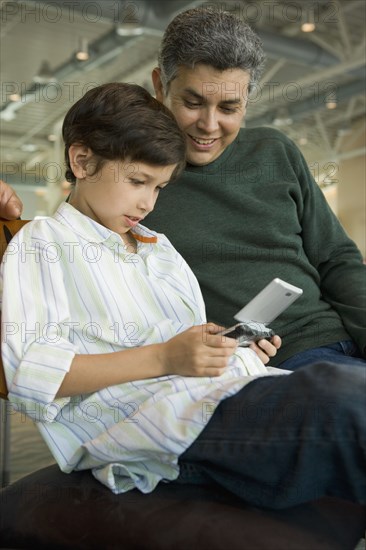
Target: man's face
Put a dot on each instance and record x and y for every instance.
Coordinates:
(209, 106)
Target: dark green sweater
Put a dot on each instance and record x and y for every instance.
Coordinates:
(256, 213)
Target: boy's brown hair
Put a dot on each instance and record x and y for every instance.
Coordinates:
(120, 121)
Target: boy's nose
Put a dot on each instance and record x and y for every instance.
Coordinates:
(147, 203)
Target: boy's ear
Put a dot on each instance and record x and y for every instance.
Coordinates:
(158, 86)
(79, 156)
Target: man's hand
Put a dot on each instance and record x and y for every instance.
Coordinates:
(10, 204)
(266, 349)
(198, 351)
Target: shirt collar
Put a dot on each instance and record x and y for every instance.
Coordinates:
(94, 231)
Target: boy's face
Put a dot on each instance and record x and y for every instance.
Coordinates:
(121, 194)
(209, 106)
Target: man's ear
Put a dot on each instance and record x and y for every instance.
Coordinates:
(158, 86)
(79, 156)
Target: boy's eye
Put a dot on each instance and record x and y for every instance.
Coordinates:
(137, 182)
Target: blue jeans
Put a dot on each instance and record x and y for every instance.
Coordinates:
(288, 439)
(343, 353)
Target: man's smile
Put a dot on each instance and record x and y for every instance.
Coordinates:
(203, 141)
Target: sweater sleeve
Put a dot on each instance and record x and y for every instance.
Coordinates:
(342, 274)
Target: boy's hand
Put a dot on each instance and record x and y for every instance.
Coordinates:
(10, 204)
(266, 349)
(199, 351)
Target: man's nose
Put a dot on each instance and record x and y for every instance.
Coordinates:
(208, 120)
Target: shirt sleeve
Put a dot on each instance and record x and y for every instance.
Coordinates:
(336, 258)
(36, 350)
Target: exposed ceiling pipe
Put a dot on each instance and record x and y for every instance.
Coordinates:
(156, 14)
(108, 43)
(296, 49)
(111, 44)
(300, 109)
(106, 47)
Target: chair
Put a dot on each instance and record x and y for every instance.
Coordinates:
(51, 509)
(7, 231)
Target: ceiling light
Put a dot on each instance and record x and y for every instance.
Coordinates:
(52, 137)
(308, 27)
(331, 105)
(309, 22)
(303, 140)
(331, 100)
(129, 29)
(14, 97)
(83, 52)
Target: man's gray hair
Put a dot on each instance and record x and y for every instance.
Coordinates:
(212, 37)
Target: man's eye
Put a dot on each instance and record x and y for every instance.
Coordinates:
(137, 182)
(228, 109)
(191, 105)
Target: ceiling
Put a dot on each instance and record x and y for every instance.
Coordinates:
(305, 72)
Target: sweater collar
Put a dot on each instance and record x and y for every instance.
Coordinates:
(215, 164)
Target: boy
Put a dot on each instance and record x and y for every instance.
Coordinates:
(113, 359)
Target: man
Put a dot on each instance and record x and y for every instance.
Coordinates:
(247, 210)
(248, 204)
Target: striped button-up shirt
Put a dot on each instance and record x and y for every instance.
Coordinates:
(69, 286)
